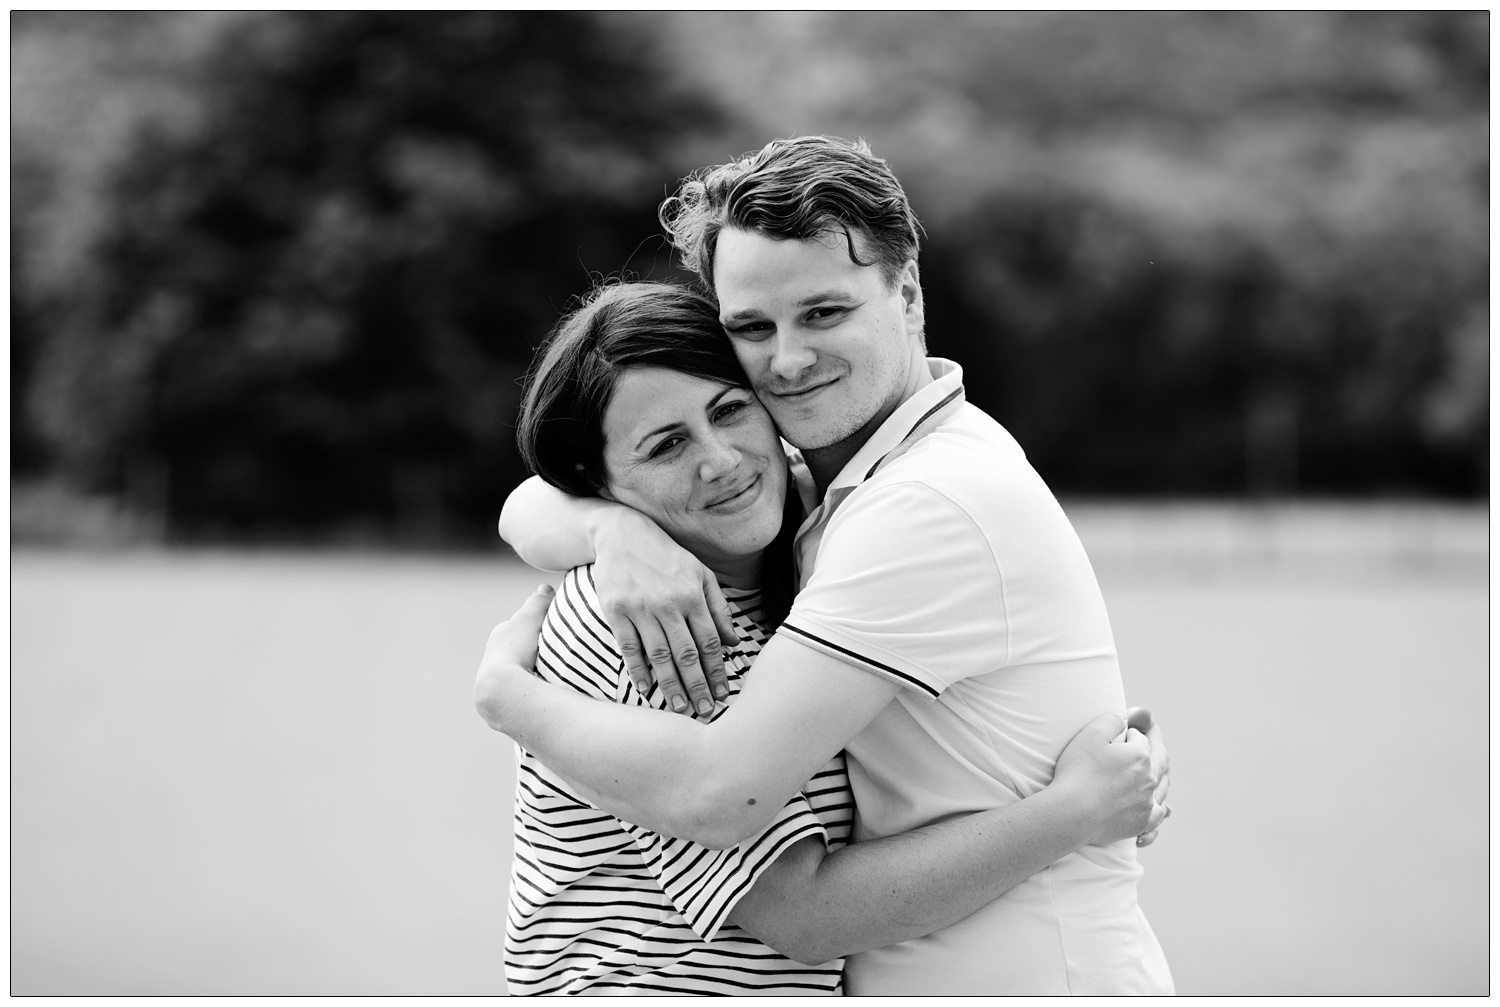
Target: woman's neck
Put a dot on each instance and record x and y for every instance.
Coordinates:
(741, 573)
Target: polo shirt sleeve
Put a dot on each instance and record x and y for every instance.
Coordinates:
(906, 586)
(705, 885)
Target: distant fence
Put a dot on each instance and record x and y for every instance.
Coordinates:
(1336, 535)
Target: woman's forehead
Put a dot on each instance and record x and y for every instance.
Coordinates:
(647, 396)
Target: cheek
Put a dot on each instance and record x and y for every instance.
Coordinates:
(660, 492)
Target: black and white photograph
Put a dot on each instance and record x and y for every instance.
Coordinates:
(751, 503)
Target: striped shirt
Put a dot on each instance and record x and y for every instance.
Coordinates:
(600, 906)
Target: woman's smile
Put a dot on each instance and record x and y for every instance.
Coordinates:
(737, 499)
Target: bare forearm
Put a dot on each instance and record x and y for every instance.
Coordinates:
(550, 529)
(643, 766)
(871, 894)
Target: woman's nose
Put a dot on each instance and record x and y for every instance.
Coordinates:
(719, 459)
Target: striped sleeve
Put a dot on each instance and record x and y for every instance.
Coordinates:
(704, 884)
(577, 648)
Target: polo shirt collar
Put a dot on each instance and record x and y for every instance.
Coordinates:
(912, 420)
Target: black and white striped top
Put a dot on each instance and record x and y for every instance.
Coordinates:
(599, 906)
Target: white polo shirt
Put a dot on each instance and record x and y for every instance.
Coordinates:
(940, 559)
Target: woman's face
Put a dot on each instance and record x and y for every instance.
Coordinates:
(700, 458)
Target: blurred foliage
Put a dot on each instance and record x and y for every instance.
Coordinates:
(279, 274)
(1204, 253)
(311, 311)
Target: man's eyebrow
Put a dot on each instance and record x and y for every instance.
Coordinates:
(821, 297)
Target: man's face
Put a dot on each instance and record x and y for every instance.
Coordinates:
(831, 349)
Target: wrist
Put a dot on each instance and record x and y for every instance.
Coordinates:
(610, 524)
(1072, 808)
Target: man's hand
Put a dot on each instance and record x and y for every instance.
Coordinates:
(1140, 718)
(666, 610)
(1108, 767)
(511, 650)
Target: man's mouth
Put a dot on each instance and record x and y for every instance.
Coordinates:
(803, 392)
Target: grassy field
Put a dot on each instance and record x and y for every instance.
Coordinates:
(261, 773)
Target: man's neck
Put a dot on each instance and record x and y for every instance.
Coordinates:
(826, 463)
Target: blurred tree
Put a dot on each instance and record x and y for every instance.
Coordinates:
(313, 310)
(1218, 253)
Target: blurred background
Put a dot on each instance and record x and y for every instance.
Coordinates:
(275, 278)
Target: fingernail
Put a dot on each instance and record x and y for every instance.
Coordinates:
(721, 691)
(545, 590)
(705, 707)
(679, 704)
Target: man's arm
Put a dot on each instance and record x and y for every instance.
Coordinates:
(665, 607)
(716, 784)
(814, 906)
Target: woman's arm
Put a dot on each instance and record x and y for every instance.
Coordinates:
(665, 607)
(814, 906)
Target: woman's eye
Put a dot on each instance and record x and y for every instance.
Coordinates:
(664, 445)
(823, 314)
(728, 410)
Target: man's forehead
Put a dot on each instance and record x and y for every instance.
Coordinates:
(751, 264)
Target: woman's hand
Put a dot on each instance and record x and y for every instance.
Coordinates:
(511, 651)
(666, 610)
(1108, 769)
(1140, 718)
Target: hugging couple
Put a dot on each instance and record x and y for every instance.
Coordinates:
(827, 701)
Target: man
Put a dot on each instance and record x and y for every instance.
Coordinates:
(949, 633)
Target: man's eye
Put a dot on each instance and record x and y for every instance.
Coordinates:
(823, 314)
(750, 330)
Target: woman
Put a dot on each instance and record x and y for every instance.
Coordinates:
(637, 398)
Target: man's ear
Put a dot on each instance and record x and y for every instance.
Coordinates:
(910, 285)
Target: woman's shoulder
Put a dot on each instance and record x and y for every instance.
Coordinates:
(577, 647)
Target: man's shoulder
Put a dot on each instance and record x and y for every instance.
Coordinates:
(969, 458)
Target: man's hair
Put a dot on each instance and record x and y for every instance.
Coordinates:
(795, 189)
(616, 326)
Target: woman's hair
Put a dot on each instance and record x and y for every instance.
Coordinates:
(795, 189)
(617, 326)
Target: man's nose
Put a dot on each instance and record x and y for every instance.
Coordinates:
(790, 355)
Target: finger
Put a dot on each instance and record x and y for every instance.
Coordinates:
(684, 651)
(724, 635)
(1159, 814)
(1139, 717)
(1103, 729)
(632, 652)
(526, 623)
(710, 651)
(718, 610)
(663, 670)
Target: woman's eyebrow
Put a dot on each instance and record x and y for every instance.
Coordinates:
(664, 428)
(725, 391)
